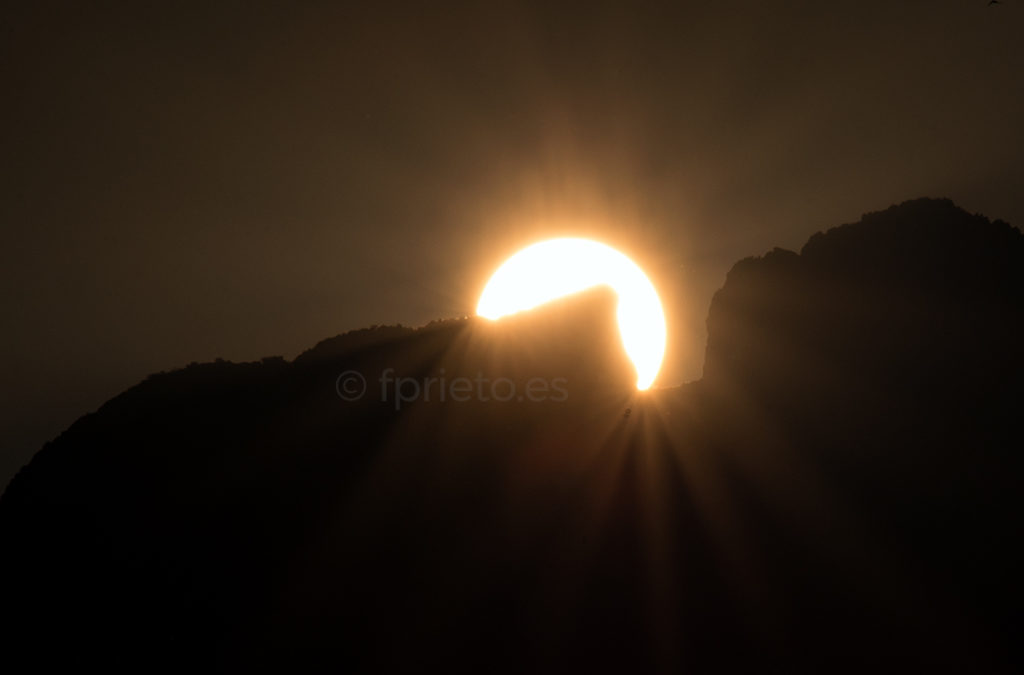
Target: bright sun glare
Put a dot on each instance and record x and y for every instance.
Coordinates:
(551, 269)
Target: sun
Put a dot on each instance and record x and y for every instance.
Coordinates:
(551, 269)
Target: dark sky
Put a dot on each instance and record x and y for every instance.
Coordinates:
(182, 184)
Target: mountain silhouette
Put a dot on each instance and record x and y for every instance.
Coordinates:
(838, 492)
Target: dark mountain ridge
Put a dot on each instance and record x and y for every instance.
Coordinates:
(838, 492)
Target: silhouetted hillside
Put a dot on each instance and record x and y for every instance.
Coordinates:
(839, 492)
(881, 369)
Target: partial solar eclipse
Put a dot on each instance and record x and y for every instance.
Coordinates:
(555, 268)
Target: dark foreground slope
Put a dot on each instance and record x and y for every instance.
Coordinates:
(878, 375)
(838, 493)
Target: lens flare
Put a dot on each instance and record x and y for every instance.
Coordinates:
(552, 269)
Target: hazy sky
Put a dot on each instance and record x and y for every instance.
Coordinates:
(182, 184)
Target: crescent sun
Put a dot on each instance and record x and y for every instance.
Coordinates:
(551, 269)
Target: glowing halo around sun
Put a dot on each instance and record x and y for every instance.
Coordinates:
(551, 269)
